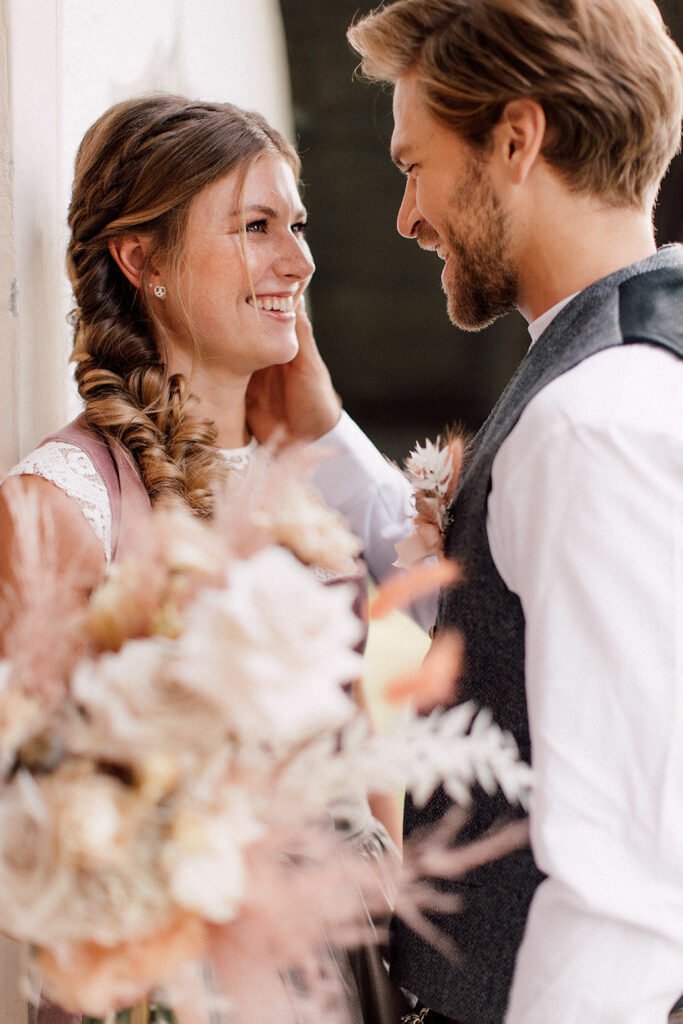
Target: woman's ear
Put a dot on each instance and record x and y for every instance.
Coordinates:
(130, 253)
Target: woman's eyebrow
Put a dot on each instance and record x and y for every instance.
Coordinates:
(265, 211)
(268, 211)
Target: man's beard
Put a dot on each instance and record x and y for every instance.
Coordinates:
(480, 279)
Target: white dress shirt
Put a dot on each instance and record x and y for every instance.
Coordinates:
(585, 524)
(375, 498)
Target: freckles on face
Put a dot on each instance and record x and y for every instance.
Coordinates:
(245, 265)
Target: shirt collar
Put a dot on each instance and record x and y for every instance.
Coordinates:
(538, 326)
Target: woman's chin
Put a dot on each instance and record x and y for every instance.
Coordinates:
(282, 354)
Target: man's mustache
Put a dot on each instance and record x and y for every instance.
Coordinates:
(426, 237)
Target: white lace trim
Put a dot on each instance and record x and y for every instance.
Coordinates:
(239, 458)
(70, 469)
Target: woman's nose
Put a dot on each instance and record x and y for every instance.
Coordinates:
(409, 219)
(297, 260)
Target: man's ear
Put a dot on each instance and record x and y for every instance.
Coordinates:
(519, 137)
(130, 253)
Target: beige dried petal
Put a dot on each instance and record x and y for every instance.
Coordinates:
(124, 606)
(424, 542)
(316, 534)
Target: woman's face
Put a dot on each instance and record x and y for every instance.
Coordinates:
(223, 270)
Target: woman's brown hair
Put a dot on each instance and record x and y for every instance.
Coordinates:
(138, 169)
(608, 75)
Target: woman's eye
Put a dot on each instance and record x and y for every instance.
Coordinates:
(300, 227)
(255, 226)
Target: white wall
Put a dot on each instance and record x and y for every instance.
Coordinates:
(62, 62)
(69, 60)
(34, 100)
(8, 413)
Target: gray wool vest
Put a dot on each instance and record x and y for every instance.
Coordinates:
(642, 303)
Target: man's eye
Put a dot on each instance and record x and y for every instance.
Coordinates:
(300, 227)
(257, 226)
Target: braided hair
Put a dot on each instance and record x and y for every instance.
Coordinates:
(138, 169)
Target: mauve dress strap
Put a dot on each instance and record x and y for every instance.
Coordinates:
(48, 1013)
(130, 505)
(128, 499)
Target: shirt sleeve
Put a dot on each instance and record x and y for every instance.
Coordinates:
(374, 496)
(586, 526)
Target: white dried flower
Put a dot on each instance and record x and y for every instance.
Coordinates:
(429, 468)
(91, 821)
(204, 857)
(454, 748)
(60, 879)
(272, 650)
(130, 709)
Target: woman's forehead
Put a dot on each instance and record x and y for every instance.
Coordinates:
(271, 179)
(269, 183)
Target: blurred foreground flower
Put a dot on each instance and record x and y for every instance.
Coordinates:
(167, 797)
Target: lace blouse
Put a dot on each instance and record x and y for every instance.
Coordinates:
(72, 470)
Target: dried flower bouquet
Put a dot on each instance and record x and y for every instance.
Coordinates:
(172, 754)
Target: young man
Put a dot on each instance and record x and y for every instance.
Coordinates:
(534, 135)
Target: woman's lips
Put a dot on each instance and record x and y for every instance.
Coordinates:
(281, 307)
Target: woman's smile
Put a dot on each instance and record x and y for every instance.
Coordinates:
(279, 306)
(246, 265)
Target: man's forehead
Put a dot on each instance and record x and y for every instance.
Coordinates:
(408, 109)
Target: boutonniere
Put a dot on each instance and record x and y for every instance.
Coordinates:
(432, 470)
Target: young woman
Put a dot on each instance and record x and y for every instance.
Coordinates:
(188, 262)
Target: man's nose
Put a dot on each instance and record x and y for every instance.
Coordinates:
(409, 219)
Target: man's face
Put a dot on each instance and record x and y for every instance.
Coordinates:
(450, 206)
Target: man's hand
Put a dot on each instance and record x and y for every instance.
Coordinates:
(297, 396)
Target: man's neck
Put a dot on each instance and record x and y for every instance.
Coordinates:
(577, 247)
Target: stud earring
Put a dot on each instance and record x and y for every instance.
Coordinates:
(160, 291)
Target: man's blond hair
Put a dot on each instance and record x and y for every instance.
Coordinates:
(607, 73)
